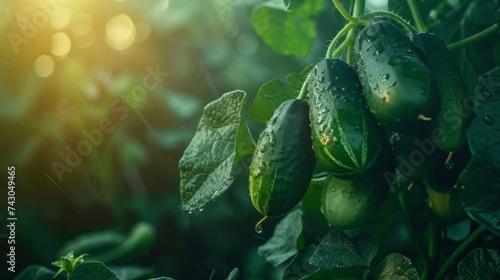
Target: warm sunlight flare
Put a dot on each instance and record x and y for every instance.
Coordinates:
(44, 66)
(120, 32)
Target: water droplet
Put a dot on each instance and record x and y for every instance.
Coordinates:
(488, 120)
(201, 209)
(262, 166)
(263, 149)
(190, 212)
(450, 164)
(258, 228)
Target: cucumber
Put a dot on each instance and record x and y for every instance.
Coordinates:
(346, 138)
(398, 85)
(283, 161)
(347, 204)
(450, 124)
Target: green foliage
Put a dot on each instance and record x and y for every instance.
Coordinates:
(222, 139)
(284, 243)
(36, 272)
(287, 32)
(480, 180)
(480, 263)
(275, 92)
(396, 266)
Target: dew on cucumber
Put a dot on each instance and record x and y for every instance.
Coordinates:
(450, 164)
(488, 120)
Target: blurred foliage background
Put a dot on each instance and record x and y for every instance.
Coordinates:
(68, 65)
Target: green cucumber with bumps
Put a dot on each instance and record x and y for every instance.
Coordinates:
(398, 85)
(453, 118)
(346, 138)
(283, 161)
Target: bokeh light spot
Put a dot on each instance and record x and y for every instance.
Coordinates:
(44, 66)
(81, 24)
(60, 44)
(247, 43)
(120, 32)
(61, 19)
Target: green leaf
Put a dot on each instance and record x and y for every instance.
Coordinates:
(396, 266)
(233, 275)
(480, 263)
(132, 272)
(275, 92)
(35, 272)
(287, 32)
(291, 4)
(162, 278)
(283, 244)
(480, 190)
(92, 271)
(221, 140)
(300, 266)
(336, 273)
(336, 250)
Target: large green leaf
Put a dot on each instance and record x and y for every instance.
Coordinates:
(287, 32)
(396, 266)
(221, 140)
(283, 244)
(92, 271)
(275, 92)
(480, 190)
(480, 263)
(36, 272)
(337, 251)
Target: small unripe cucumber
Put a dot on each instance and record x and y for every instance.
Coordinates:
(346, 137)
(453, 118)
(347, 204)
(398, 85)
(283, 161)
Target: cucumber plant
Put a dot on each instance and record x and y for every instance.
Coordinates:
(379, 111)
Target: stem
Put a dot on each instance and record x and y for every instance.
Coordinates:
(393, 16)
(336, 39)
(416, 16)
(347, 42)
(458, 252)
(303, 89)
(343, 11)
(359, 8)
(474, 37)
(350, 46)
(413, 235)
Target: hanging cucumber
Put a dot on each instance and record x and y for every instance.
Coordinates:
(346, 137)
(399, 88)
(347, 204)
(449, 126)
(283, 161)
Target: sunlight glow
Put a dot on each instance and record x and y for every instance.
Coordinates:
(60, 44)
(44, 66)
(61, 19)
(120, 32)
(81, 24)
